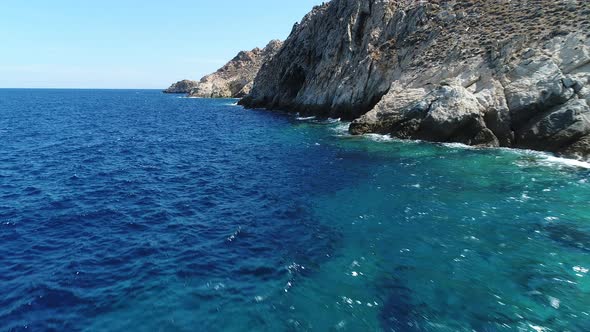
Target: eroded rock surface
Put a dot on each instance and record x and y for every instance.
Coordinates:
(479, 72)
(536, 101)
(234, 80)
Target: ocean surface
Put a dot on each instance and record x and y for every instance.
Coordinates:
(139, 211)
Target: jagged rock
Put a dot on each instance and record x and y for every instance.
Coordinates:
(559, 127)
(579, 149)
(234, 80)
(448, 113)
(451, 115)
(508, 73)
(324, 66)
(184, 86)
(533, 85)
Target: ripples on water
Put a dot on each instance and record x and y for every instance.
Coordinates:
(132, 210)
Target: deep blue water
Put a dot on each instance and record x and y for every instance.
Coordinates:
(138, 211)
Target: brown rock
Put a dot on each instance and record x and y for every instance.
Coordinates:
(234, 80)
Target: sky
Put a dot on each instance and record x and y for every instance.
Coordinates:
(132, 43)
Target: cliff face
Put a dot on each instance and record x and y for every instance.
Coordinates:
(234, 80)
(184, 86)
(479, 72)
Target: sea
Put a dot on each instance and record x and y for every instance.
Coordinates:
(132, 210)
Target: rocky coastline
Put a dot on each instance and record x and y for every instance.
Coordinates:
(234, 79)
(484, 73)
(184, 86)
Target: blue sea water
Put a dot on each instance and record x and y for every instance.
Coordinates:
(138, 211)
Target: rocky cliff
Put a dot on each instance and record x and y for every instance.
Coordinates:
(479, 72)
(184, 86)
(234, 80)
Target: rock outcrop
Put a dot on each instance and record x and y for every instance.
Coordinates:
(479, 72)
(234, 80)
(184, 86)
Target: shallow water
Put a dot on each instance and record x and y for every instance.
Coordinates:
(133, 210)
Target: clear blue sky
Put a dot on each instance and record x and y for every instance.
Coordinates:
(132, 43)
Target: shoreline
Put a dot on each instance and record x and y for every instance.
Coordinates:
(388, 138)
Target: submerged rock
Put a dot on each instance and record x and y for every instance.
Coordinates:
(184, 86)
(491, 73)
(569, 236)
(234, 80)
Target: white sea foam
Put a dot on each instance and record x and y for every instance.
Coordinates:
(459, 146)
(542, 158)
(567, 162)
(305, 118)
(379, 138)
(547, 159)
(389, 138)
(341, 128)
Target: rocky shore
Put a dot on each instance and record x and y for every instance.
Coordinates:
(184, 86)
(234, 79)
(487, 73)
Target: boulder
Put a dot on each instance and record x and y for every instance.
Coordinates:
(558, 128)
(449, 113)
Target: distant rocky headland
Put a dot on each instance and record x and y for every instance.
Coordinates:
(233, 80)
(479, 72)
(184, 86)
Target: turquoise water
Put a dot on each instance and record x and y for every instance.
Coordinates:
(132, 210)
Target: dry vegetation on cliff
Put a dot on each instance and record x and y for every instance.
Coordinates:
(493, 73)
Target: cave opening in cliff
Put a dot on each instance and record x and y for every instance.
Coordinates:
(293, 82)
